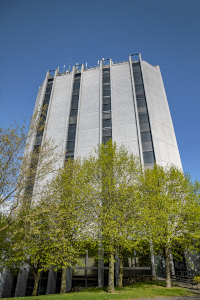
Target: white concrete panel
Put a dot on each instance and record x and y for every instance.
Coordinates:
(163, 135)
(123, 113)
(88, 115)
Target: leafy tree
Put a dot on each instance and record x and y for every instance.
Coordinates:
(112, 183)
(170, 211)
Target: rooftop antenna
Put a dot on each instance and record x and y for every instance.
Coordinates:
(64, 69)
(69, 64)
(103, 59)
(98, 62)
(76, 66)
(86, 65)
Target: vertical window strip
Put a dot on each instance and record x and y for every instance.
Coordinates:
(106, 106)
(73, 117)
(143, 116)
(38, 141)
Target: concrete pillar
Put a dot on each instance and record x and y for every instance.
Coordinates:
(100, 269)
(117, 266)
(51, 284)
(22, 278)
(6, 284)
(69, 279)
(153, 265)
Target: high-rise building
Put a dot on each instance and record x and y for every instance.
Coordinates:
(124, 101)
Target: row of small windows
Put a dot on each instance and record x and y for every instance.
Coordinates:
(73, 117)
(106, 107)
(145, 132)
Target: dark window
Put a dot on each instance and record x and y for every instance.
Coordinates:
(72, 127)
(139, 88)
(76, 85)
(136, 68)
(137, 75)
(71, 136)
(106, 92)
(50, 79)
(106, 100)
(107, 123)
(149, 165)
(78, 75)
(47, 96)
(48, 91)
(73, 112)
(146, 136)
(148, 157)
(106, 138)
(140, 95)
(76, 92)
(106, 107)
(70, 145)
(75, 97)
(46, 102)
(144, 127)
(74, 105)
(138, 81)
(69, 156)
(141, 102)
(106, 69)
(106, 79)
(143, 118)
(147, 146)
(49, 85)
(107, 133)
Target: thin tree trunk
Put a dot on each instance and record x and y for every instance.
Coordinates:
(120, 281)
(111, 288)
(36, 282)
(63, 281)
(167, 267)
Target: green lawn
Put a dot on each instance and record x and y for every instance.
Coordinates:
(137, 290)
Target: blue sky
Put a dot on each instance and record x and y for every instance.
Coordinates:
(40, 35)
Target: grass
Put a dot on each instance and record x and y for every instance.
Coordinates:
(137, 290)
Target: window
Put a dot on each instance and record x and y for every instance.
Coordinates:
(147, 146)
(76, 92)
(148, 157)
(46, 102)
(49, 85)
(106, 107)
(106, 115)
(106, 92)
(38, 140)
(141, 102)
(75, 97)
(69, 156)
(50, 79)
(71, 136)
(73, 112)
(139, 88)
(144, 127)
(106, 138)
(140, 95)
(143, 118)
(107, 132)
(74, 105)
(106, 100)
(142, 109)
(72, 120)
(107, 123)
(47, 96)
(70, 145)
(149, 165)
(106, 69)
(72, 128)
(76, 85)
(138, 81)
(146, 136)
(137, 75)
(106, 79)
(77, 75)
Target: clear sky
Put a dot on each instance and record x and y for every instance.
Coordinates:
(40, 35)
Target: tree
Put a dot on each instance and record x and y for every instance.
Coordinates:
(170, 211)
(112, 183)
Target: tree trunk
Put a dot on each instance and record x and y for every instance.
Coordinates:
(111, 288)
(63, 281)
(167, 267)
(36, 282)
(121, 272)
